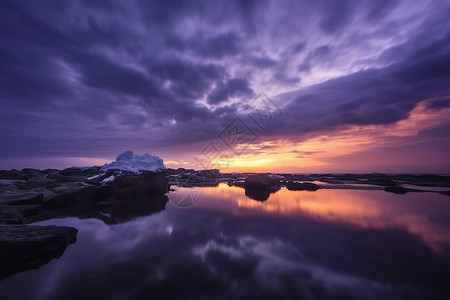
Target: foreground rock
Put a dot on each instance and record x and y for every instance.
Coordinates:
(24, 247)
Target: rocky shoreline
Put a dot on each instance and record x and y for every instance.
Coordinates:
(115, 196)
(30, 195)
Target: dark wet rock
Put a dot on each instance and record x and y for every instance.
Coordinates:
(124, 198)
(192, 180)
(262, 182)
(10, 215)
(38, 181)
(24, 247)
(348, 177)
(86, 193)
(396, 189)
(29, 211)
(259, 186)
(381, 181)
(104, 192)
(140, 185)
(12, 175)
(239, 183)
(179, 171)
(306, 186)
(66, 178)
(49, 171)
(21, 198)
(76, 171)
(212, 173)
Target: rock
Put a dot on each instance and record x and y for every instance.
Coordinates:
(24, 247)
(49, 171)
(306, 186)
(213, 173)
(104, 192)
(69, 178)
(86, 193)
(30, 210)
(76, 171)
(179, 171)
(140, 185)
(73, 171)
(193, 180)
(10, 215)
(262, 182)
(396, 189)
(239, 183)
(20, 198)
(31, 173)
(38, 181)
(259, 186)
(11, 175)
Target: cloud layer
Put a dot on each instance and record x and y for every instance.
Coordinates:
(85, 79)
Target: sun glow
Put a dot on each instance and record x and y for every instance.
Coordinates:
(317, 153)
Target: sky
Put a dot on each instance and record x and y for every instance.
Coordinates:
(258, 86)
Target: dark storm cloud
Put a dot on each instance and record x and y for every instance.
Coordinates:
(234, 87)
(377, 96)
(216, 47)
(87, 78)
(438, 104)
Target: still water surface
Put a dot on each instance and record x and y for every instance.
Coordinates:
(337, 244)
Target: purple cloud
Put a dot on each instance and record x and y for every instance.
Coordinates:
(84, 79)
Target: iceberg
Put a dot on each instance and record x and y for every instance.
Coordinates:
(128, 161)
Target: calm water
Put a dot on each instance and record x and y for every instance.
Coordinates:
(335, 244)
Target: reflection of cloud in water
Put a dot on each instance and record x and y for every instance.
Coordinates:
(278, 266)
(413, 212)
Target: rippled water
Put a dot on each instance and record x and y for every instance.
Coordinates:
(347, 244)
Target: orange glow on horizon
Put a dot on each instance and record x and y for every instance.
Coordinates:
(316, 154)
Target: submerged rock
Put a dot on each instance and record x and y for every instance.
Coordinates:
(396, 189)
(24, 247)
(306, 186)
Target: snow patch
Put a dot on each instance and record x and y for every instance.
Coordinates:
(95, 176)
(109, 179)
(128, 161)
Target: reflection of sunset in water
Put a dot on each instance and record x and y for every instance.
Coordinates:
(413, 212)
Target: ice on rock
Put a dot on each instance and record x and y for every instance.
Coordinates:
(128, 161)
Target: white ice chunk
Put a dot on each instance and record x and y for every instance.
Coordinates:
(129, 162)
